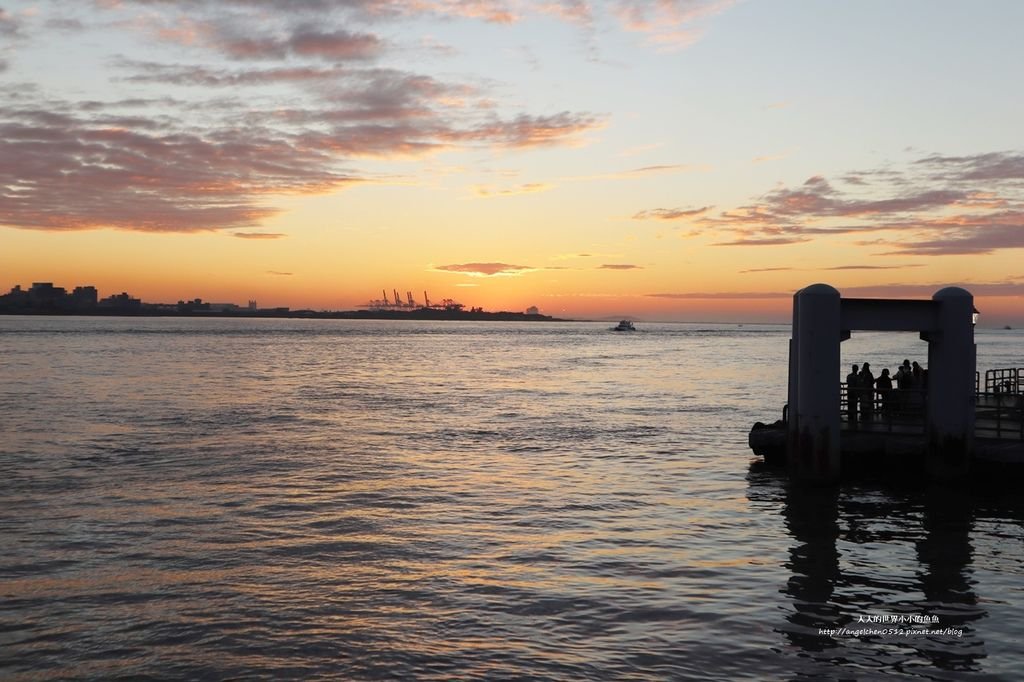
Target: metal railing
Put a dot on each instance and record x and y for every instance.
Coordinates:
(999, 409)
(899, 409)
(1004, 380)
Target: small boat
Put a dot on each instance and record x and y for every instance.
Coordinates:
(624, 326)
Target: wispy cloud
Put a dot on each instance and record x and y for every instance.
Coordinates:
(876, 267)
(769, 157)
(259, 235)
(671, 213)
(637, 173)
(902, 266)
(279, 273)
(1009, 288)
(574, 256)
(934, 205)
(742, 295)
(487, 191)
(669, 24)
(485, 269)
(763, 241)
(620, 266)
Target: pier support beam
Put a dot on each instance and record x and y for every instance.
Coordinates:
(813, 443)
(951, 368)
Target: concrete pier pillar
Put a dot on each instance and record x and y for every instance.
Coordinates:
(813, 444)
(951, 367)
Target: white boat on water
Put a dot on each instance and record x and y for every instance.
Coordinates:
(624, 326)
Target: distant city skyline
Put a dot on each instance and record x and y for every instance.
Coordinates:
(48, 297)
(677, 160)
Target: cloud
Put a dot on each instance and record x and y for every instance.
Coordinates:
(196, 75)
(620, 266)
(10, 26)
(1009, 288)
(64, 171)
(901, 290)
(992, 166)
(669, 24)
(764, 241)
(1004, 232)
(636, 173)
(671, 213)
(650, 170)
(487, 191)
(724, 295)
(933, 205)
(573, 256)
(875, 267)
(485, 269)
(259, 235)
(834, 268)
(337, 45)
(316, 101)
(527, 130)
(65, 24)
(278, 273)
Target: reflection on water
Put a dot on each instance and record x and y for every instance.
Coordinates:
(268, 499)
(883, 582)
(811, 517)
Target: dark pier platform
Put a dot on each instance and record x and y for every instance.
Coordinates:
(897, 446)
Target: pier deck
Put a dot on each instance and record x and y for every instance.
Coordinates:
(898, 442)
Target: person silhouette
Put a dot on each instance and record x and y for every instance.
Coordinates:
(866, 381)
(852, 394)
(883, 385)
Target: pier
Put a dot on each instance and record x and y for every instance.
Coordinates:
(959, 422)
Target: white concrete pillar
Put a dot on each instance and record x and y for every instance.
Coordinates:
(951, 366)
(814, 422)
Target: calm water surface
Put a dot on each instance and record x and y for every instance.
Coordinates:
(247, 499)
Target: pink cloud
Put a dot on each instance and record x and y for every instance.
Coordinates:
(936, 205)
(528, 130)
(259, 235)
(485, 269)
(763, 241)
(65, 172)
(181, 164)
(671, 213)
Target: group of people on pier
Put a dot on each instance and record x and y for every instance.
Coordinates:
(862, 390)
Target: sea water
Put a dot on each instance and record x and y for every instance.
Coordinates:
(324, 499)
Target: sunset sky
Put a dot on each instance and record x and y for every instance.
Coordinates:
(665, 159)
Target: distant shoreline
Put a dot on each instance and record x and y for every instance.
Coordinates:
(422, 314)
